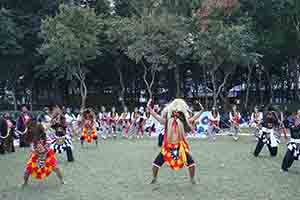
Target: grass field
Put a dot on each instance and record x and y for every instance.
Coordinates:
(121, 170)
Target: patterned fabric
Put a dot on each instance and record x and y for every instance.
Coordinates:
(60, 144)
(268, 137)
(89, 135)
(41, 166)
(295, 149)
(175, 155)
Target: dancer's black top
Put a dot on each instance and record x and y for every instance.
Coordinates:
(270, 120)
(294, 129)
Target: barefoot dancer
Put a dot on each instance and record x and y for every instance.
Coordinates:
(256, 120)
(88, 124)
(61, 141)
(213, 124)
(293, 147)
(267, 135)
(175, 151)
(42, 160)
(234, 119)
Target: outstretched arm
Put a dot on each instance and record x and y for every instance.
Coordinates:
(157, 116)
(198, 114)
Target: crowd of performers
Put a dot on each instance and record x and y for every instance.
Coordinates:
(53, 133)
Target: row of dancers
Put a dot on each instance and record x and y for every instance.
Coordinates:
(52, 135)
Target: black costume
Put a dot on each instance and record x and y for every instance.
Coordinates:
(22, 123)
(267, 135)
(293, 147)
(60, 140)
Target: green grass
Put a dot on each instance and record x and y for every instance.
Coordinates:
(121, 170)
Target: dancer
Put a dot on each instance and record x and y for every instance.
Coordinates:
(103, 123)
(61, 141)
(113, 118)
(149, 124)
(175, 150)
(9, 141)
(256, 120)
(283, 124)
(136, 128)
(267, 135)
(5, 134)
(88, 124)
(124, 121)
(234, 119)
(213, 124)
(293, 147)
(70, 122)
(42, 160)
(21, 129)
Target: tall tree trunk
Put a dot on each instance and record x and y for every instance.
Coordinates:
(260, 88)
(81, 76)
(213, 79)
(150, 84)
(296, 80)
(123, 89)
(83, 92)
(250, 69)
(177, 79)
(14, 99)
(269, 79)
(205, 86)
(217, 90)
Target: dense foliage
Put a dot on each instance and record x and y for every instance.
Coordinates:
(127, 50)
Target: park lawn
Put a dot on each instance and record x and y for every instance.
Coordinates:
(121, 170)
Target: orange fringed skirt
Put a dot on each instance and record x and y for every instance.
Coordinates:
(40, 168)
(176, 156)
(89, 135)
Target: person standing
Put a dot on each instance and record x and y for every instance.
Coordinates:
(256, 120)
(293, 146)
(267, 135)
(175, 151)
(213, 124)
(21, 126)
(235, 119)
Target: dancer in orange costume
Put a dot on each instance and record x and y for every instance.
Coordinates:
(88, 124)
(42, 161)
(175, 150)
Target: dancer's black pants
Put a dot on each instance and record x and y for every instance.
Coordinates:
(287, 160)
(261, 144)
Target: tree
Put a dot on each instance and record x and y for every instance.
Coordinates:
(146, 50)
(222, 48)
(10, 51)
(70, 42)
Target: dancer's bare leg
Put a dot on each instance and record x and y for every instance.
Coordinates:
(155, 174)
(59, 175)
(192, 174)
(26, 178)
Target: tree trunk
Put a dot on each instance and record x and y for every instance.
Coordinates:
(149, 85)
(269, 79)
(14, 99)
(177, 79)
(248, 86)
(213, 80)
(217, 90)
(123, 89)
(83, 93)
(296, 80)
(260, 88)
(81, 76)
